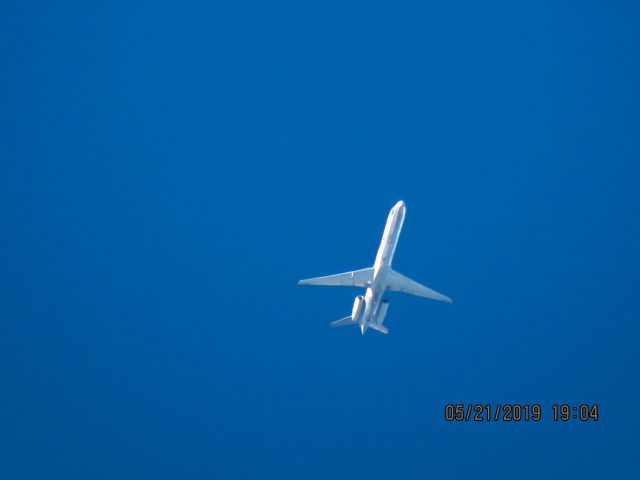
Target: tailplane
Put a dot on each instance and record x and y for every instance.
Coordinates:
(343, 322)
(379, 328)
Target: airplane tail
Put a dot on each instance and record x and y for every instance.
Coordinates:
(343, 322)
(379, 328)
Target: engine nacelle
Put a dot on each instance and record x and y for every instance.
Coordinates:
(358, 308)
(382, 311)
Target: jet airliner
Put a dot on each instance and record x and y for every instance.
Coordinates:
(369, 310)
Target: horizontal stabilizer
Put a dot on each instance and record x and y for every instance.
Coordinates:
(357, 278)
(400, 283)
(343, 322)
(379, 328)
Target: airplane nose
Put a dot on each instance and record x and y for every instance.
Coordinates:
(400, 205)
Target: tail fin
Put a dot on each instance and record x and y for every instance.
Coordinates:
(343, 322)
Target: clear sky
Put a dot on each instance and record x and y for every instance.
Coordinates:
(169, 170)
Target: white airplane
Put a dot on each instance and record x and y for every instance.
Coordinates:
(370, 310)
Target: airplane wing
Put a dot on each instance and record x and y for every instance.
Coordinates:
(400, 283)
(357, 278)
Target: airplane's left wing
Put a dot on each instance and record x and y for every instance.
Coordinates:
(400, 283)
(357, 278)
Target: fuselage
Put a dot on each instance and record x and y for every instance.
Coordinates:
(382, 266)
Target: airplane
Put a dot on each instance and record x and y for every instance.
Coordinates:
(369, 310)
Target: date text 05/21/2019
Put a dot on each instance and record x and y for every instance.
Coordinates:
(514, 412)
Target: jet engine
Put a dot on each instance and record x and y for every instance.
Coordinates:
(382, 311)
(358, 308)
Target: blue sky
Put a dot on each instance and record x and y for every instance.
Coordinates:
(168, 172)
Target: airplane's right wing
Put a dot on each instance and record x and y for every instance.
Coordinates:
(357, 278)
(400, 283)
